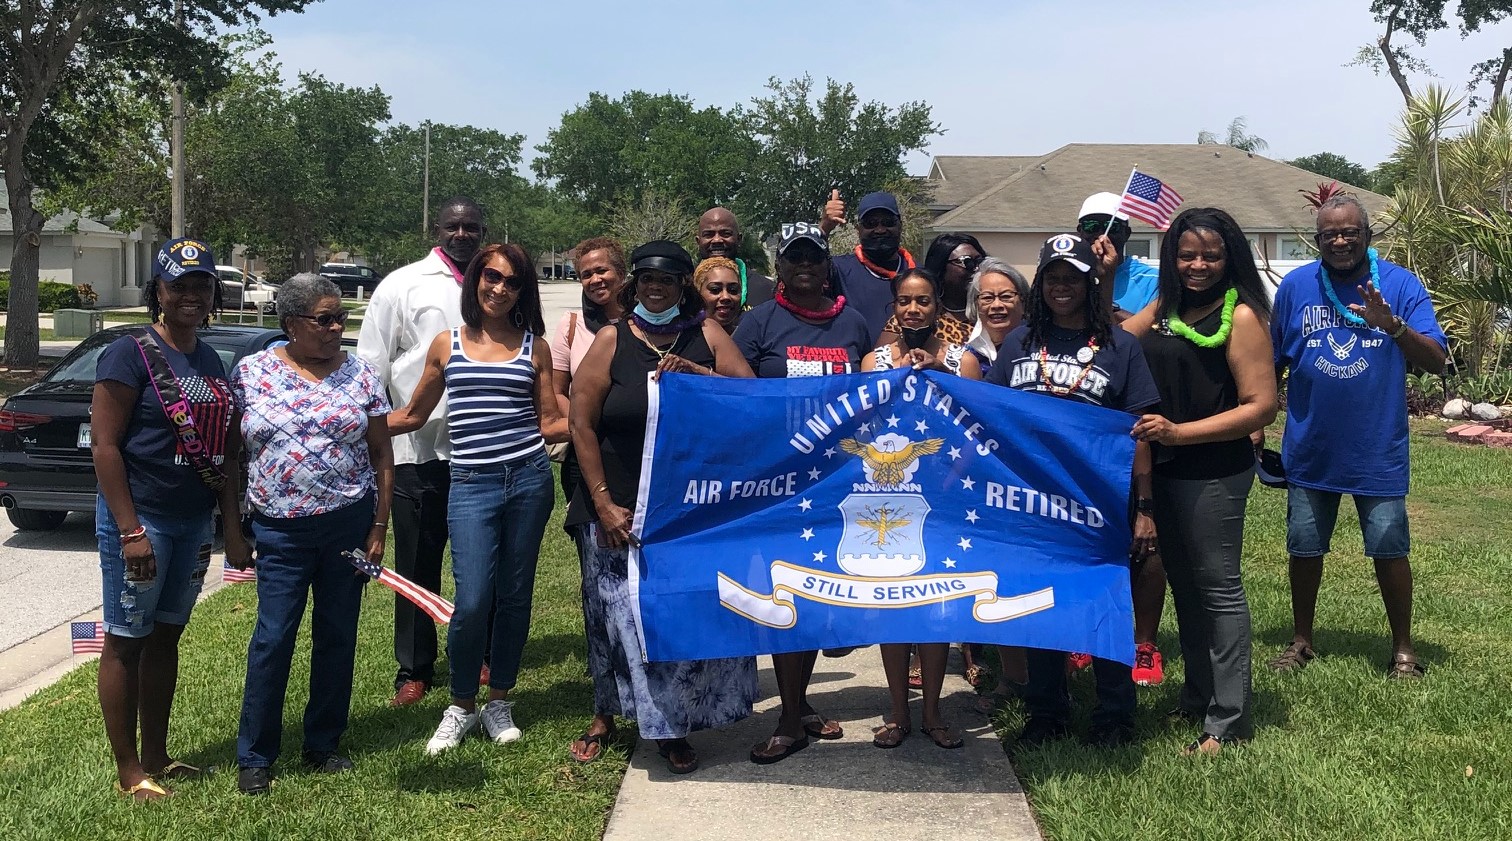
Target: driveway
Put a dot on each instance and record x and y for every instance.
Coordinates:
(46, 578)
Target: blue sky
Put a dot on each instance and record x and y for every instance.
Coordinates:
(1008, 78)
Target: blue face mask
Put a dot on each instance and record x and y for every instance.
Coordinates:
(664, 317)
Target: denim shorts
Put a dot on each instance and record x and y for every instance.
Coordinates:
(182, 548)
(1311, 516)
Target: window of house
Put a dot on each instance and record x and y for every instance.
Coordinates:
(1140, 247)
(1293, 248)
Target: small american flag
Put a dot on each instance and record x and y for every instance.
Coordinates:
(87, 637)
(1148, 199)
(232, 575)
(434, 606)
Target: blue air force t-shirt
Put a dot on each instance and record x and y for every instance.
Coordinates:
(1346, 398)
(1135, 285)
(1116, 378)
(777, 343)
(865, 292)
(161, 479)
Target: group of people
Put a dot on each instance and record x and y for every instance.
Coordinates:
(442, 420)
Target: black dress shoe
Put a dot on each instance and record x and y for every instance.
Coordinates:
(1038, 731)
(327, 763)
(1111, 735)
(253, 780)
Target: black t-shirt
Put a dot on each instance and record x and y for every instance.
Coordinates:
(1117, 377)
(865, 292)
(1195, 383)
(777, 343)
(622, 423)
(161, 479)
(759, 289)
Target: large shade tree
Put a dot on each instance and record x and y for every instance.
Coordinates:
(63, 64)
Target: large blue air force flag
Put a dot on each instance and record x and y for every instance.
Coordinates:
(789, 515)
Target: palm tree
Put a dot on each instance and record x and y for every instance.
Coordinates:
(1236, 137)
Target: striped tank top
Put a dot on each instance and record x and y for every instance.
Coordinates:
(491, 406)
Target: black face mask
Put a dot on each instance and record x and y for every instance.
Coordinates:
(917, 337)
(1193, 300)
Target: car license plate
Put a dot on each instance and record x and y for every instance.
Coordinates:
(84, 439)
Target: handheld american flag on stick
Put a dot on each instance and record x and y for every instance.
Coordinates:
(87, 637)
(1146, 198)
(232, 575)
(434, 606)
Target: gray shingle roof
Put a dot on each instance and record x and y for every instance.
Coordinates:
(60, 224)
(1045, 194)
(957, 179)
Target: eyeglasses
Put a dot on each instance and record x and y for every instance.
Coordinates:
(987, 299)
(968, 263)
(495, 276)
(326, 319)
(1349, 235)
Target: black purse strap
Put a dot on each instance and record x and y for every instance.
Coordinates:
(177, 410)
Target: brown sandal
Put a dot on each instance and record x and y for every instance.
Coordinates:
(1294, 658)
(777, 748)
(890, 735)
(1406, 667)
(943, 736)
(819, 727)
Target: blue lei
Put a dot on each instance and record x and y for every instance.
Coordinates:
(1328, 287)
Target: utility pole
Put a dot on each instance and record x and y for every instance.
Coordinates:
(178, 138)
(425, 188)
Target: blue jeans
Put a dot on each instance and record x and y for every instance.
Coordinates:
(1311, 516)
(497, 516)
(181, 546)
(295, 556)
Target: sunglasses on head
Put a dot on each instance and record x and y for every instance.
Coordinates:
(326, 319)
(495, 276)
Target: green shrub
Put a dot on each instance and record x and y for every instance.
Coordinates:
(50, 296)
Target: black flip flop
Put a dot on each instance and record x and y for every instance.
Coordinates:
(789, 745)
(589, 740)
(666, 749)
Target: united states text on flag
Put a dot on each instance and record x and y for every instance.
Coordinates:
(87, 637)
(1148, 199)
(434, 606)
(232, 575)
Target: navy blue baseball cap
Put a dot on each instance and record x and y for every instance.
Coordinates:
(182, 256)
(877, 201)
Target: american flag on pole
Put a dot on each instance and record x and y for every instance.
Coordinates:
(232, 575)
(434, 606)
(87, 637)
(1148, 199)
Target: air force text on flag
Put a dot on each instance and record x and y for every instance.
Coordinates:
(903, 506)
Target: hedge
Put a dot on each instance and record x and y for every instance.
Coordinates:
(50, 296)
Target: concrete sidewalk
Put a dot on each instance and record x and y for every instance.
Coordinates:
(845, 789)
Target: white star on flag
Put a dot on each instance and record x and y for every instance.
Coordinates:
(949, 564)
(964, 543)
(955, 453)
(892, 422)
(863, 429)
(968, 484)
(808, 534)
(971, 516)
(813, 473)
(829, 453)
(819, 557)
(805, 504)
(921, 426)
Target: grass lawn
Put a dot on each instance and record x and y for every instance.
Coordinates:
(44, 334)
(56, 775)
(1339, 751)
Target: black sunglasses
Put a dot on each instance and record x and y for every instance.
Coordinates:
(512, 281)
(326, 319)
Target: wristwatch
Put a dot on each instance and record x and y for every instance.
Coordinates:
(1401, 327)
(1145, 505)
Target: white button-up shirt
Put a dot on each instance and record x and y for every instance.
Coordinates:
(407, 310)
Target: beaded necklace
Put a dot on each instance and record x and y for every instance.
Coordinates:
(1087, 356)
(813, 315)
(1174, 324)
(1333, 297)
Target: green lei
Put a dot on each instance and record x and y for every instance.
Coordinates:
(1175, 325)
(740, 264)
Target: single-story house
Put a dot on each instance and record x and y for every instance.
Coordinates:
(77, 249)
(1012, 204)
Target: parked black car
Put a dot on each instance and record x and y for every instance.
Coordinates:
(45, 466)
(351, 277)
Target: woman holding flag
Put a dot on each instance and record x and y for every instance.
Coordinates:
(1069, 348)
(496, 373)
(664, 330)
(1207, 339)
(320, 476)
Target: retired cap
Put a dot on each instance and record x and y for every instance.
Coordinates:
(1102, 204)
(663, 255)
(877, 201)
(182, 256)
(1269, 469)
(1069, 247)
(793, 232)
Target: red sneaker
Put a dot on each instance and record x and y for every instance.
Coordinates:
(1149, 668)
(1078, 661)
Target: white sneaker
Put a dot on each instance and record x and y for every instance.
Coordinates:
(498, 722)
(455, 724)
